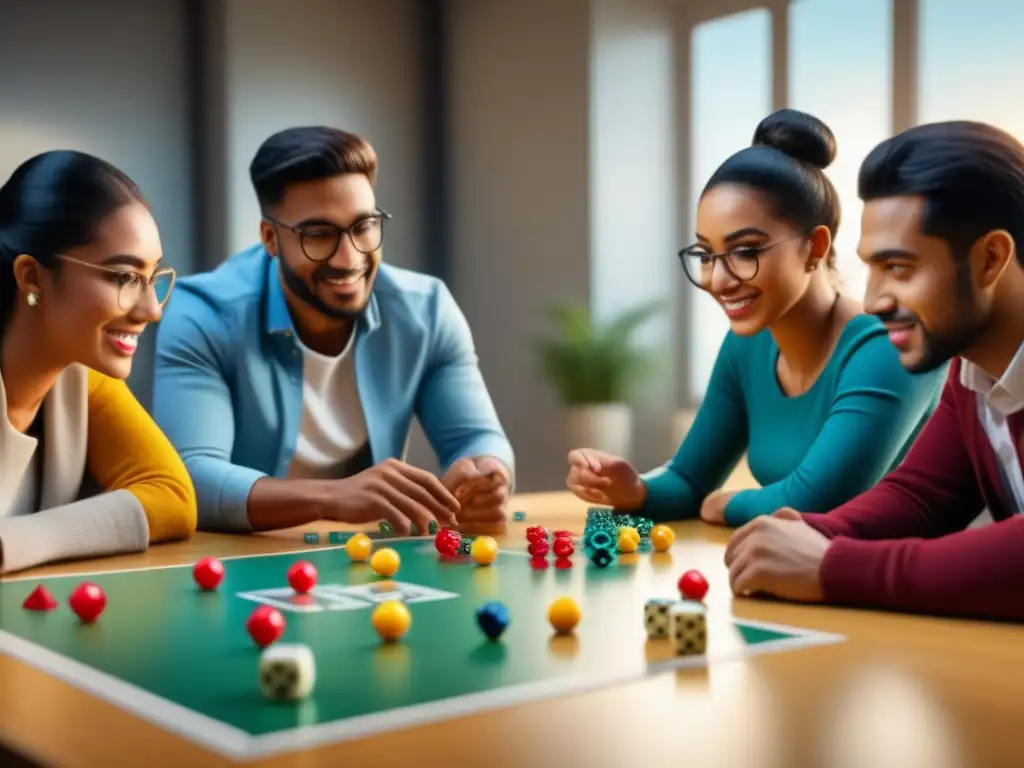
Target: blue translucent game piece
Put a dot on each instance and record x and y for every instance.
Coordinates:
(312, 538)
(519, 516)
(493, 619)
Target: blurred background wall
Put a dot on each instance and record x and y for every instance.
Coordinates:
(531, 151)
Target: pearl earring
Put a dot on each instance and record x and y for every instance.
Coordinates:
(33, 299)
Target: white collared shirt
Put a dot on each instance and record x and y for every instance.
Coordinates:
(996, 401)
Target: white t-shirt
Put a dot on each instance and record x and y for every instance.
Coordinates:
(332, 430)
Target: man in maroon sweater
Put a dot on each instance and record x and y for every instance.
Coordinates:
(941, 231)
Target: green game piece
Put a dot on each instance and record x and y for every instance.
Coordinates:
(337, 537)
(519, 517)
(465, 545)
(433, 527)
(312, 538)
(598, 540)
(602, 558)
(385, 527)
(644, 526)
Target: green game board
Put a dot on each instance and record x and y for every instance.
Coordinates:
(182, 659)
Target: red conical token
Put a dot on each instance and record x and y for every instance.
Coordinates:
(39, 600)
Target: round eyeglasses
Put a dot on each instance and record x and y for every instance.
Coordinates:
(131, 286)
(742, 263)
(320, 240)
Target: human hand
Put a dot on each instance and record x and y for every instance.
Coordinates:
(601, 478)
(778, 555)
(713, 509)
(394, 491)
(482, 486)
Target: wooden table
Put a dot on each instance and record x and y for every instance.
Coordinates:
(901, 691)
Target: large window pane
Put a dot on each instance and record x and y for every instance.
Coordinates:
(845, 80)
(971, 62)
(731, 95)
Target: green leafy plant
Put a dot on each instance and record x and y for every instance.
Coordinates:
(589, 363)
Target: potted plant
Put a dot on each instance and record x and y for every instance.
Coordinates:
(595, 369)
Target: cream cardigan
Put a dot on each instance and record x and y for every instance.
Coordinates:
(65, 525)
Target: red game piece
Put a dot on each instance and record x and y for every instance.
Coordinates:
(538, 547)
(693, 586)
(563, 547)
(536, 533)
(302, 576)
(40, 600)
(208, 573)
(540, 563)
(447, 542)
(87, 601)
(265, 625)
(563, 534)
(562, 563)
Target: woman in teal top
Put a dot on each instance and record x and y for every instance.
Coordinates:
(805, 383)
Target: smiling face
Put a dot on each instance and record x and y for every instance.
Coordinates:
(927, 297)
(323, 270)
(93, 309)
(765, 268)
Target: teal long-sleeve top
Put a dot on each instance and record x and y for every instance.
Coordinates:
(812, 451)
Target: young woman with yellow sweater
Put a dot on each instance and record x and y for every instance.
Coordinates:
(84, 470)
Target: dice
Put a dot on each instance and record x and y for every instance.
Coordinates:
(687, 627)
(656, 616)
(287, 672)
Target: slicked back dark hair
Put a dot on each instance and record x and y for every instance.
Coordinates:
(785, 164)
(971, 176)
(52, 203)
(305, 154)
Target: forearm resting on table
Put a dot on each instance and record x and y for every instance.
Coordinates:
(275, 503)
(109, 524)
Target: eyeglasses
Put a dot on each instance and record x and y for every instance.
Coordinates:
(742, 263)
(131, 286)
(320, 241)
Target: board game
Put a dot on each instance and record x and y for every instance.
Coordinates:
(173, 654)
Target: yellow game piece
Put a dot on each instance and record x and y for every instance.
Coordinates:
(564, 615)
(662, 537)
(627, 543)
(385, 562)
(633, 533)
(358, 548)
(484, 550)
(391, 619)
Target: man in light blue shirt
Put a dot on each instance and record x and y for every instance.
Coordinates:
(288, 377)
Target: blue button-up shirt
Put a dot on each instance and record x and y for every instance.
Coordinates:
(228, 383)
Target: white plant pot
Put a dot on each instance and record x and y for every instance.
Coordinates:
(602, 426)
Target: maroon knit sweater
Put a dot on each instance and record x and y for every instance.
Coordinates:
(903, 545)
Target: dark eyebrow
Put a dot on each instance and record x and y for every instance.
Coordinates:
(892, 253)
(124, 259)
(319, 221)
(745, 232)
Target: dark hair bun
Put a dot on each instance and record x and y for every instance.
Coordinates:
(801, 136)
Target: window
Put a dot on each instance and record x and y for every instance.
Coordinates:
(846, 81)
(731, 83)
(970, 62)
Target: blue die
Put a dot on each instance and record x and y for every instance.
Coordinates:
(493, 619)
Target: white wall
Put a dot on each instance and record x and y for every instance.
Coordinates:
(634, 216)
(104, 77)
(517, 78)
(352, 64)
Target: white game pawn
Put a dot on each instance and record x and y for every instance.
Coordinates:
(287, 672)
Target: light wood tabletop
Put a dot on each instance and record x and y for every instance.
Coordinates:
(899, 691)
